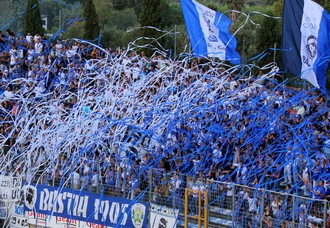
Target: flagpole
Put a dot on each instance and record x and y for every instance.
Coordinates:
(274, 53)
(174, 41)
(274, 60)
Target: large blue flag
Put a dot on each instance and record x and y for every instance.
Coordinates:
(306, 41)
(208, 32)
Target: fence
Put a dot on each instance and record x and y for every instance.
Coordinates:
(229, 204)
(252, 207)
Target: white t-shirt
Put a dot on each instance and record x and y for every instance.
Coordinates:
(58, 47)
(95, 180)
(217, 154)
(38, 48)
(195, 188)
(28, 38)
(13, 56)
(76, 179)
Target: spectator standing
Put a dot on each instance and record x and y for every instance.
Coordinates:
(76, 179)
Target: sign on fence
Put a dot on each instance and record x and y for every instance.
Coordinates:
(17, 217)
(161, 216)
(85, 206)
(10, 188)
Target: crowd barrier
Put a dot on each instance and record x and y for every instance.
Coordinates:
(228, 204)
(201, 202)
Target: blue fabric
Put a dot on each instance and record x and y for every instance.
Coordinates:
(323, 49)
(197, 36)
(291, 35)
(320, 189)
(291, 41)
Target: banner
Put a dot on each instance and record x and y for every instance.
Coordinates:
(164, 217)
(43, 220)
(306, 41)
(10, 189)
(18, 218)
(3, 212)
(208, 32)
(85, 206)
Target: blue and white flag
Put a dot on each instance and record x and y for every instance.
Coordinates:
(208, 32)
(306, 41)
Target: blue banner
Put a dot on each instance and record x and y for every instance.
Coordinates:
(85, 206)
(306, 41)
(208, 32)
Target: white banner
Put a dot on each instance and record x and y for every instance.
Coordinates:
(3, 212)
(10, 189)
(161, 216)
(58, 222)
(51, 221)
(18, 218)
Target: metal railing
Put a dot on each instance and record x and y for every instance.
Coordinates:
(253, 207)
(239, 205)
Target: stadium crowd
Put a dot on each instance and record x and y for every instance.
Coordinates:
(74, 114)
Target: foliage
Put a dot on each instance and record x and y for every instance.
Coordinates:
(122, 4)
(161, 15)
(235, 5)
(175, 16)
(278, 7)
(104, 10)
(177, 41)
(73, 1)
(115, 23)
(137, 7)
(267, 37)
(325, 4)
(16, 16)
(149, 15)
(123, 19)
(92, 28)
(75, 30)
(56, 9)
(33, 21)
(246, 33)
(167, 16)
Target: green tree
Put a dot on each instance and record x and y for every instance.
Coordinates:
(14, 12)
(76, 30)
(52, 10)
(33, 21)
(116, 29)
(123, 4)
(269, 35)
(235, 5)
(73, 1)
(150, 15)
(278, 7)
(104, 11)
(325, 4)
(156, 13)
(92, 28)
(137, 7)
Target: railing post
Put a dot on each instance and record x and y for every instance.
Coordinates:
(150, 185)
(199, 208)
(206, 208)
(325, 214)
(186, 208)
(261, 208)
(293, 209)
(233, 205)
